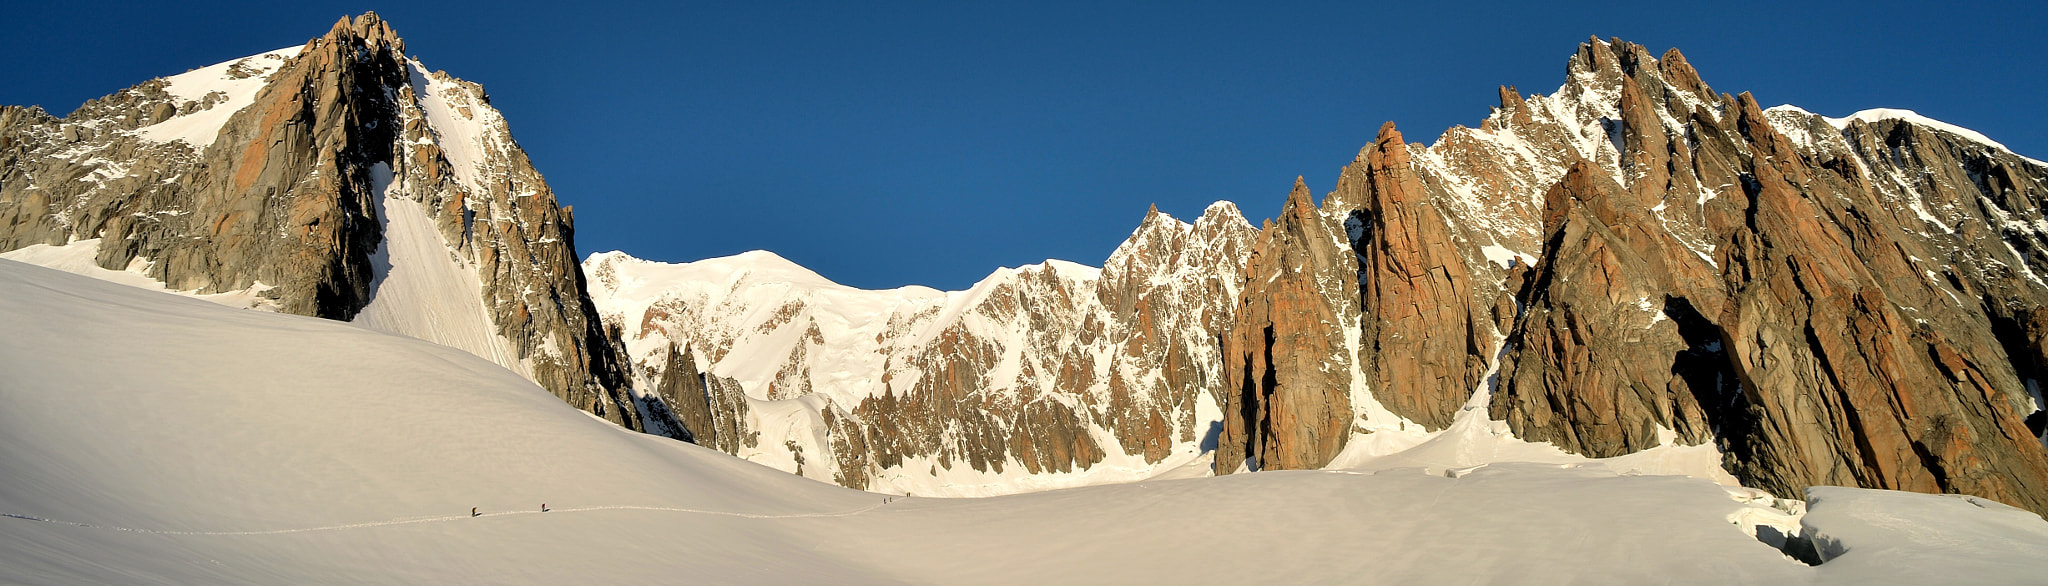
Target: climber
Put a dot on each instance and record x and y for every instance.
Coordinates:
(543, 507)
(473, 513)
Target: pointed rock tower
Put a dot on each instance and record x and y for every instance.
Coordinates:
(1287, 362)
(339, 179)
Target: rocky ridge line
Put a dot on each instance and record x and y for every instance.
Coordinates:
(1832, 302)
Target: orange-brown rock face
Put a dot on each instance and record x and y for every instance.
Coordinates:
(1854, 301)
(282, 196)
(1832, 302)
(1858, 367)
(1286, 362)
(1426, 338)
(1829, 301)
(1602, 359)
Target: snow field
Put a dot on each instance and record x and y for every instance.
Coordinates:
(422, 290)
(187, 442)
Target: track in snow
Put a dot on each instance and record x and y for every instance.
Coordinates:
(446, 518)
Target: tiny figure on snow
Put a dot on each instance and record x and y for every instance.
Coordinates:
(543, 507)
(473, 513)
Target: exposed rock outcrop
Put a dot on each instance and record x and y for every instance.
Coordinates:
(1287, 359)
(1832, 301)
(1859, 366)
(1601, 361)
(277, 174)
(1850, 301)
(1427, 335)
(712, 410)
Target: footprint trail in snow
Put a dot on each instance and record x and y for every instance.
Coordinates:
(446, 518)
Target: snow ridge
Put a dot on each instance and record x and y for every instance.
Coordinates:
(1876, 114)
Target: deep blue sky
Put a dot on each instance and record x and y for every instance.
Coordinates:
(930, 143)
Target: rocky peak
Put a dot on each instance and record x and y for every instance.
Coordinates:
(1594, 57)
(1705, 271)
(1301, 205)
(1592, 361)
(1680, 73)
(363, 31)
(1426, 339)
(1289, 361)
(287, 186)
(1657, 288)
(315, 177)
(1221, 213)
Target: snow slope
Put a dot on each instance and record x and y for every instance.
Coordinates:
(148, 438)
(422, 289)
(125, 408)
(79, 257)
(1874, 115)
(208, 96)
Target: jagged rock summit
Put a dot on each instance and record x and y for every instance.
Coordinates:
(1288, 361)
(340, 179)
(1828, 301)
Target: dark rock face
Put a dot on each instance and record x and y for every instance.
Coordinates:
(284, 199)
(711, 409)
(1287, 358)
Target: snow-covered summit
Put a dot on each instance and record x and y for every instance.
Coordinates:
(1045, 340)
(1876, 114)
(753, 266)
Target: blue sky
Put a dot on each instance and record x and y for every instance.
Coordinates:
(928, 143)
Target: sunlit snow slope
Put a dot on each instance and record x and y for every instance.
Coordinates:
(148, 438)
